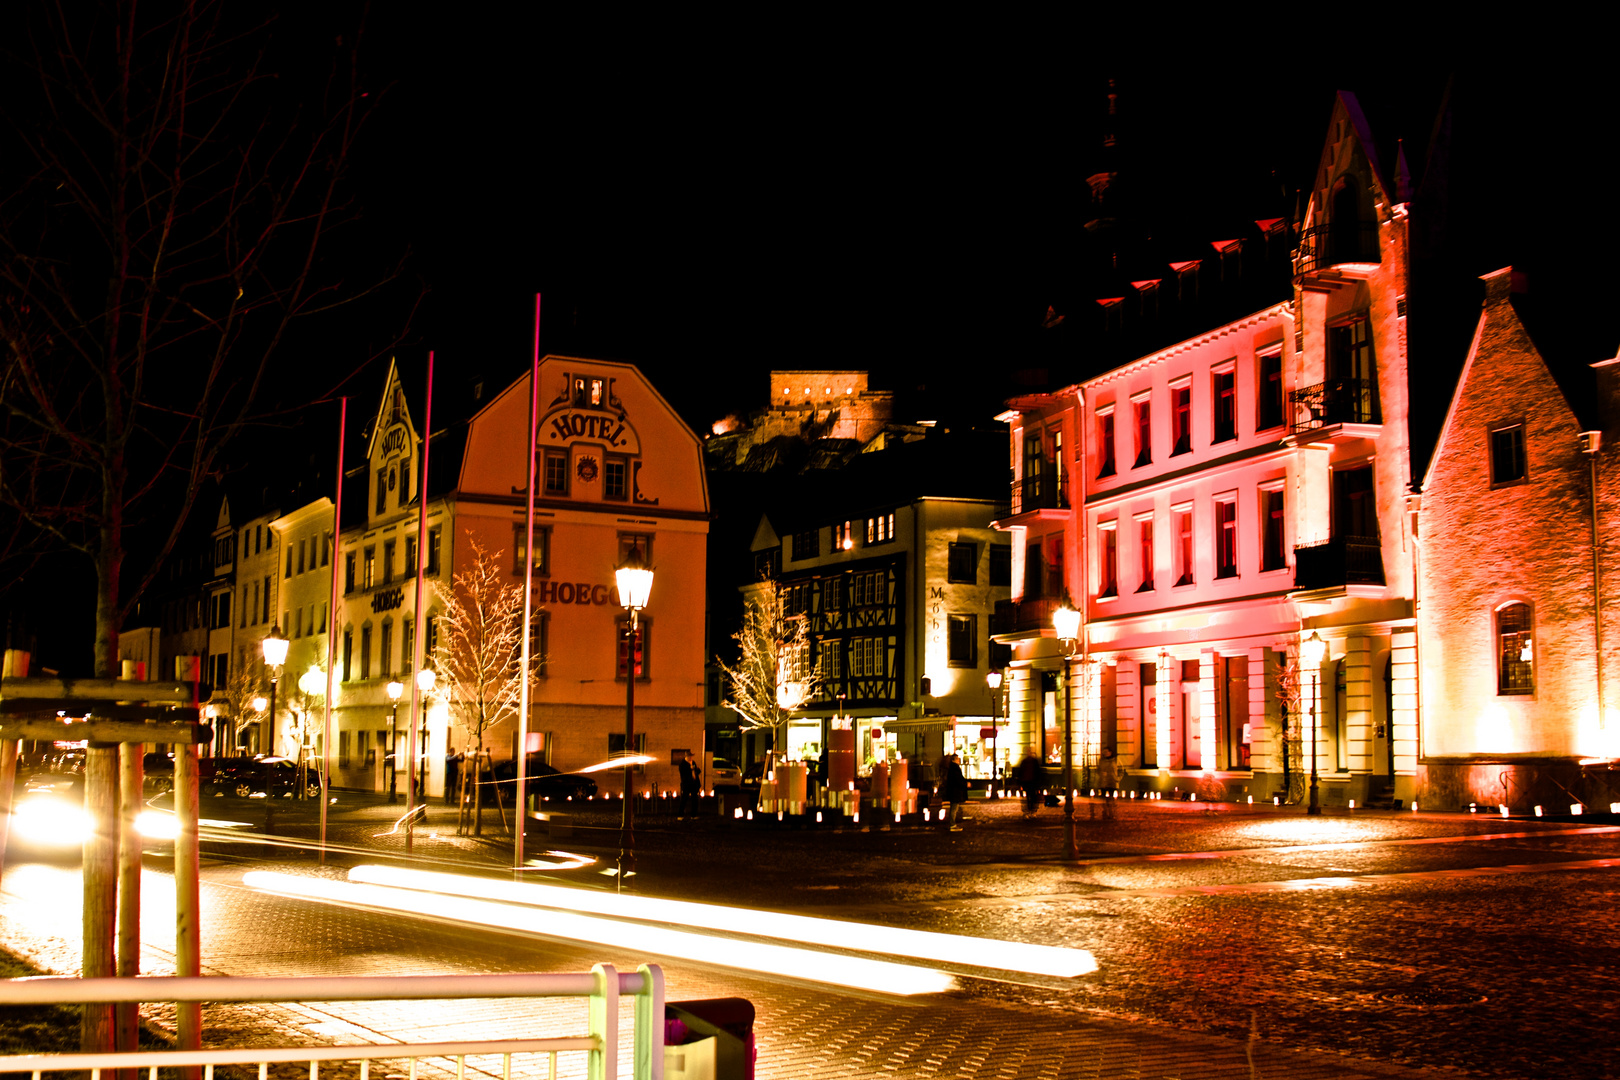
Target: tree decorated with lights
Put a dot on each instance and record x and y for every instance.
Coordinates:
(773, 674)
(1291, 695)
(478, 662)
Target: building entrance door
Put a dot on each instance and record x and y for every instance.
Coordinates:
(1236, 711)
(1150, 716)
(1192, 733)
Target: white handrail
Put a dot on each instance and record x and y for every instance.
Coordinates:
(68, 990)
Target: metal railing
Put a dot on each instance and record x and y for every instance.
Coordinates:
(1325, 246)
(603, 985)
(1342, 560)
(1043, 491)
(1336, 401)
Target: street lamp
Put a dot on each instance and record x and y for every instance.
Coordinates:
(1311, 651)
(992, 679)
(395, 690)
(1066, 621)
(426, 679)
(634, 579)
(275, 654)
(313, 684)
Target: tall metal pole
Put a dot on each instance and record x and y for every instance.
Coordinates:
(332, 619)
(627, 822)
(520, 812)
(1315, 807)
(393, 753)
(1070, 851)
(416, 622)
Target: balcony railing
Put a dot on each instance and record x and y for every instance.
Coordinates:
(1336, 401)
(1342, 560)
(1024, 616)
(1323, 247)
(1044, 491)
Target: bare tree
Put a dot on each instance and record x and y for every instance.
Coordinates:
(248, 679)
(1291, 697)
(167, 205)
(478, 661)
(774, 673)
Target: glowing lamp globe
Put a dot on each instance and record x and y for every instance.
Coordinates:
(260, 704)
(275, 647)
(395, 689)
(313, 682)
(1312, 649)
(992, 679)
(1066, 621)
(425, 680)
(635, 581)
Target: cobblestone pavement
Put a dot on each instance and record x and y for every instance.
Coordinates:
(1469, 943)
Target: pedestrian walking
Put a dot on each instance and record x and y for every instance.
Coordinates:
(1033, 778)
(1108, 780)
(954, 789)
(690, 787)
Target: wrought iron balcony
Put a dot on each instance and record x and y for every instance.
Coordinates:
(1024, 616)
(1342, 560)
(1336, 401)
(1323, 247)
(1043, 491)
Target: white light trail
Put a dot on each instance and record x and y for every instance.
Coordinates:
(876, 975)
(867, 937)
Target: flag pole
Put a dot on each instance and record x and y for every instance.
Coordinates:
(419, 632)
(332, 618)
(520, 812)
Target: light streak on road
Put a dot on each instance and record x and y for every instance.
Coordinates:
(888, 940)
(764, 959)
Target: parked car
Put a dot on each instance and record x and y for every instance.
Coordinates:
(724, 776)
(256, 777)
(543, 780)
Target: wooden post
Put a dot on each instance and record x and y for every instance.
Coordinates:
(8, 783)
(130, 776)
(100, 888)
(187, 907)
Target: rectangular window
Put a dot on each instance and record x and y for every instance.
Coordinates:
(386, 667)
(348, 654)
(1144, 547)
(326, 548)
(382, 490)
(289, 561)
(404, 482)
(844, 536)
(962, 640)
(1181, 418)
(1105, 443)
(539, 642)
(410, 555)
(615, 477)
(1514, 674)
(301, 545)
(433, 551)
(292, 623)
(247, 542)
(642, 640)
(1271, 391)
(830, 659)
(962, 564)
(1108, 559)
(1272, 555)
(555, 473)
(807, 544)
(1226, 538)
(880, 529)
(365, 652)
(642, 542)
(348, 572)
(1000, 564)
(320, 627)
(243, 609)
(368, 577)
(1144, 433)
(1224, 392)
(258, 539)
(407, 646)
(343, 749)
(388, 561)
(542, 549)
(1507, 455)
(267, 601)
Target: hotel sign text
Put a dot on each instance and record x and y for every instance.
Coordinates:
(569, 425)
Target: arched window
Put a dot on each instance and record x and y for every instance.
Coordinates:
(1514, 650)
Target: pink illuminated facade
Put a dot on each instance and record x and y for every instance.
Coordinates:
(1211, 503)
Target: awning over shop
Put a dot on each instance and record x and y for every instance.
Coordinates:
(921, 724)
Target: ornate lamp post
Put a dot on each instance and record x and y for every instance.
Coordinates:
(635, 580)
(275, 654)
(395, 690)
(992, 679)
(1066, 622)
(313, 684)
(1311, 651)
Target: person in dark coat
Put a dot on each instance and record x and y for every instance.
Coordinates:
(953, 788)
(1032, 776)
(691, 788)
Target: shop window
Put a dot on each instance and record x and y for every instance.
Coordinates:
(1226, 538)
(1507, 455)
(1224, 392)
(554, 474)
(1515, 650)
(616, 477)
(643, 640)
(542, 549)
(1271, 391)
(1000, 564)
(962, 640)
(1144, 547)
(1108, 558)
(1105, 443)
(1181, 418)
(963, 564)
(1272, 554)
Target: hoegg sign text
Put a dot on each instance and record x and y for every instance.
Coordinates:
(574, 592)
